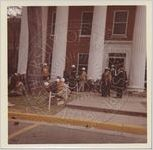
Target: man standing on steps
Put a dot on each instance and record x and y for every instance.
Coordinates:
(121, 81)
(83, 79)
(106, 82)
(73, 77)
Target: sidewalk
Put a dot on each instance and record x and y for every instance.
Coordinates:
(128, 114)
(130, 110)
(132, 105)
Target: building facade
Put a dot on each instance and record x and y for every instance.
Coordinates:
(92, 37)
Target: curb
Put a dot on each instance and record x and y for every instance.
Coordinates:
(86, 123)
(106, 110)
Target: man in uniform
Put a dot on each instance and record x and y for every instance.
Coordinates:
(83, 79)
(45, 72)
(62, 89)
(106, 82)
(121, 81)
(73, 77)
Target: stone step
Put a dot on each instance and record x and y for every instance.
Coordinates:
(105, 110)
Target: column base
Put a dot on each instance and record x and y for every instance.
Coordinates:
(137, 91)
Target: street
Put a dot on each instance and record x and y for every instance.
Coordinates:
(27, 132)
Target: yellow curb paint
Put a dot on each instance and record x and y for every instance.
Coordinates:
(100, 125)
(25, 129)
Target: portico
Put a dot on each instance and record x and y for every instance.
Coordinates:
(100, 47)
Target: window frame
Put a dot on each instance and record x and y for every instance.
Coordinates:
(81, 23)
(78, 64)
(53, 13)
(127, 20)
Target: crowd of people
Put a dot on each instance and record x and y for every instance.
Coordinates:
(112, 78)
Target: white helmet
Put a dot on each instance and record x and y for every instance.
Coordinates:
(46, 83)
(107, 68)
(45, 64)
(57, 80)
(112, 66)
(63, 79)
(73, 66)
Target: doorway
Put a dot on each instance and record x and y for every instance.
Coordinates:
(116, 59)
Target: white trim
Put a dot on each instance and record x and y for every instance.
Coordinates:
(80, 35)
(120, 57)
(117, 42)
(135, 89)
(119, 48)
(120, 35)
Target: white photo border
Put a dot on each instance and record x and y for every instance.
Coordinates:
(3, 68)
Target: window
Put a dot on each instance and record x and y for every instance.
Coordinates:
(82, 61)
(86, 23)
(53, 23)
(116, 59)
(120, 22)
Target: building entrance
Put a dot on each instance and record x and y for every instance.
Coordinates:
(116, 59)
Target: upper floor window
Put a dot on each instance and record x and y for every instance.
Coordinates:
(120, 22)
(53, 23)
(86, 23)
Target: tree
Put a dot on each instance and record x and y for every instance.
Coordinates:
(35, 49)
(14, 11)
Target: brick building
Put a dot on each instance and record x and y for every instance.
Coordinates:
(90, 36)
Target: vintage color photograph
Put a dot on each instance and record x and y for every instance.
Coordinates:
(77, 74)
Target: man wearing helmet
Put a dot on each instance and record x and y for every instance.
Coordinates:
(83, 79)
(62, 88)
(106, 82)
(45, 72)
(121, 81)
(73, 77)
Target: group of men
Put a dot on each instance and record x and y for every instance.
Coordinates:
(113, 78)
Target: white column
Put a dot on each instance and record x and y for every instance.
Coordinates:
(60, 40)
(96, 52)
(23, 43)
(138, 54)
(44, 31)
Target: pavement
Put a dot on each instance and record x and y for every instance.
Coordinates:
(130, 110)
(30, 132)
(127, 104)
(128, 114)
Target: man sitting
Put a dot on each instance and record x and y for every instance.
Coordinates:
(62, 89)
(16, 86)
